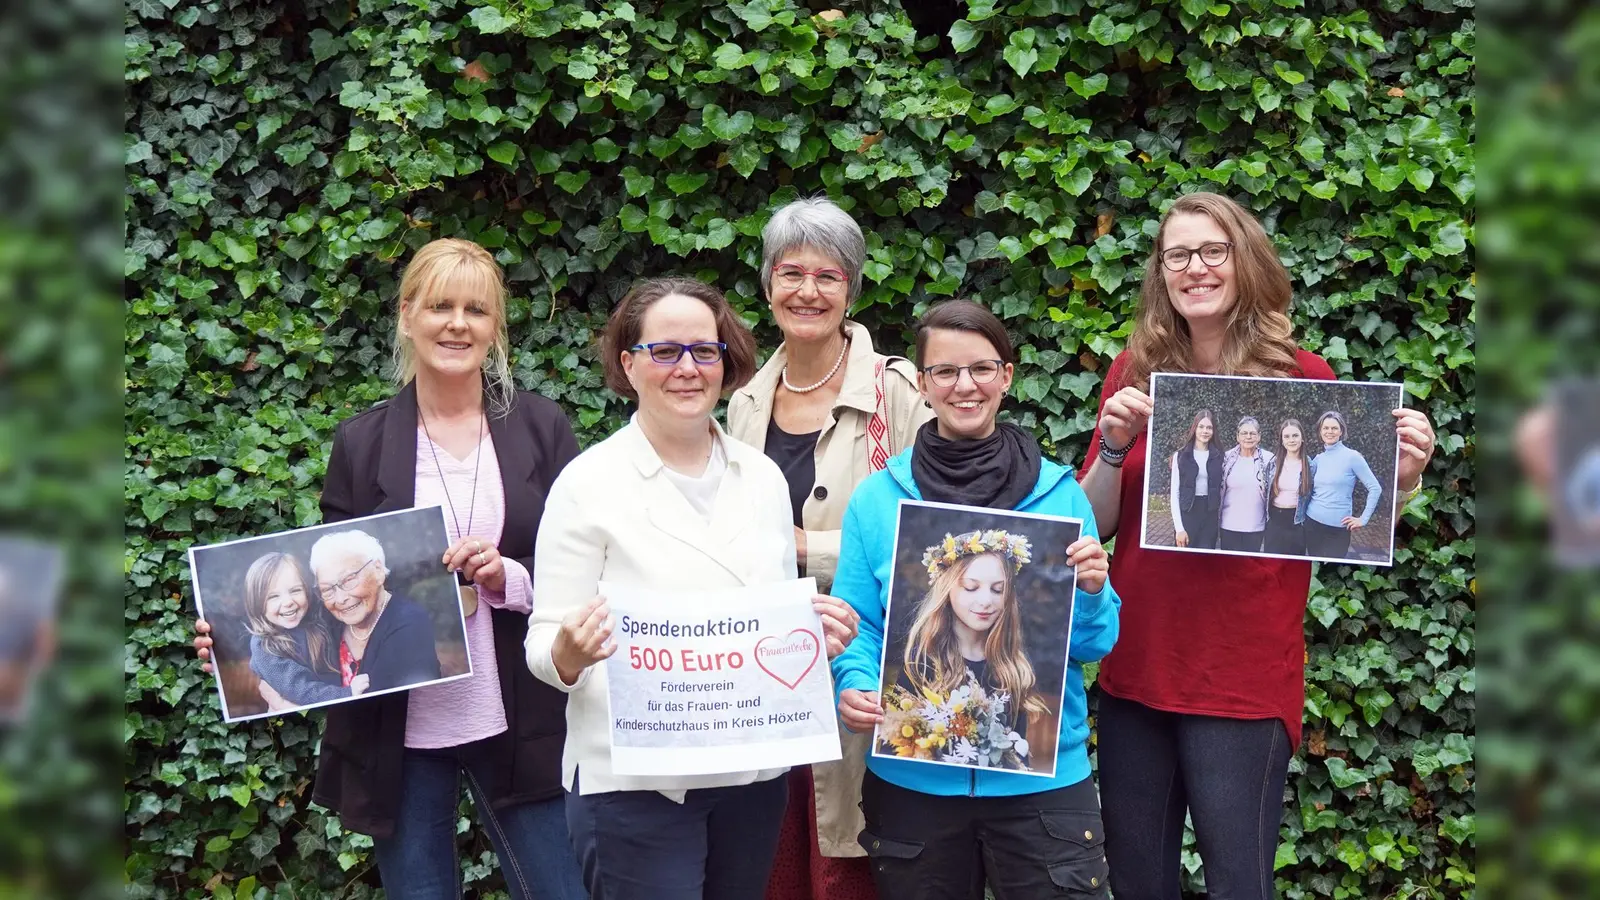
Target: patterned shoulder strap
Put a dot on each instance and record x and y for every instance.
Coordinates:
(878, 425)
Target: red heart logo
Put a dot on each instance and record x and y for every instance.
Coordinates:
(789, 656)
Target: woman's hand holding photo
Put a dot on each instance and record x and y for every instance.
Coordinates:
(479, 560)
(584, 639)
(1125, 416)
(202, 644)
(1416, 446)
(860, 711)
(1092, 563)
(359, 685)
(840, 624)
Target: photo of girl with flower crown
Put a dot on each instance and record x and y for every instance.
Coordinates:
(980, 622)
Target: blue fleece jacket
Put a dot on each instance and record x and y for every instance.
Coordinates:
(866, 556)
(1334, 472)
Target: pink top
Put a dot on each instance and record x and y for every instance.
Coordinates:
(1288, 493)
(470, 709)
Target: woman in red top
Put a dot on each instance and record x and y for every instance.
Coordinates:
(1201, 699)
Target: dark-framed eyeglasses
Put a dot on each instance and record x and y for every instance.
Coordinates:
(346, 584)
(983, 371)
(667, 353)
(791, 277)
(1212, 253)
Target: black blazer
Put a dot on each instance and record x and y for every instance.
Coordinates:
(372, 469)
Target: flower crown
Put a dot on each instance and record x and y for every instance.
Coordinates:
(1014, 547)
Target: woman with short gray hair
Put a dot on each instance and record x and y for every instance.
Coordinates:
(829, 410)
(1246, 472)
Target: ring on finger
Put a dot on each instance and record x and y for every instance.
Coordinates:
(480, 558)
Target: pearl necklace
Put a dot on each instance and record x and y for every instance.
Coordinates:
(825, 379)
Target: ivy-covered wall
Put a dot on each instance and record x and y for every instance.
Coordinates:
(284, 159)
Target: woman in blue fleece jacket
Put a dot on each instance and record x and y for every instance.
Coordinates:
(940, 831)
(1329, 510)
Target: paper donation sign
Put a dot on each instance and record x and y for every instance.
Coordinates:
(717, 681)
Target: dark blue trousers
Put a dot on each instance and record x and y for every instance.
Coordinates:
(1227, 774)
(718, 844)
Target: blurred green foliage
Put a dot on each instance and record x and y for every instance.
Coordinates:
(1541, 745)
(60, 431)
(283, 164)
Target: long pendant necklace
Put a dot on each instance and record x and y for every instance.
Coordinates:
(467, 591)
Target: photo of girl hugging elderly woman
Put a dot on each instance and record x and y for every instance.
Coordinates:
(330, 614)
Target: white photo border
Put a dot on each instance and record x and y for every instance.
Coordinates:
(216, 670)
(1149, 450)
(888, 619)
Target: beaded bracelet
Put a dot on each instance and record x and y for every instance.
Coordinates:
(1114, 455)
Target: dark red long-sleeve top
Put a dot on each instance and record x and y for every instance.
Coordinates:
(1204, 633)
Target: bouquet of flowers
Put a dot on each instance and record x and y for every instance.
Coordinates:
(967, 728)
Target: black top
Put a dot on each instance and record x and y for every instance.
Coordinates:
(401, 650)
(796, 455)
(372, 468)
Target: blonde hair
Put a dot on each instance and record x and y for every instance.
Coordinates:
(452, 264)
(1260, 338)
(933, 660)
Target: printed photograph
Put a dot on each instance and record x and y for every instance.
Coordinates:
(1576, 486)
(979, 622)
(31, 573)
(322, 615)
(1284, 468)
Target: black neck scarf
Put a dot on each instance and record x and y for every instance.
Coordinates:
(998, 471)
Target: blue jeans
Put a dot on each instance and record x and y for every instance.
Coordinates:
(1228, 774)
(419, 862)
(718, 844)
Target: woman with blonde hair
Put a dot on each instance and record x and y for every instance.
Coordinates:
(967, 631)
(457, 434)
(1215, 300)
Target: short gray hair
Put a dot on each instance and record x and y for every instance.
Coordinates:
(820, 224)
(346, 542)
(1248, 420)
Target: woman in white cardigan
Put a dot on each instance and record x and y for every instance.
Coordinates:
(672, 502)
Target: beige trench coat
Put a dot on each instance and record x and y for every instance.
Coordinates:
(842, 463)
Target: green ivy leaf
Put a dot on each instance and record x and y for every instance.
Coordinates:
(683, 183)
(489, 20)
(1087, 87)
(503, 152)
(571, 182)
(964, 36)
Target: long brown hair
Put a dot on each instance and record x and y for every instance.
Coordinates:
(1305, 461)
(319, 636)
(1260, 337)
(1194, 426)
(933, 658)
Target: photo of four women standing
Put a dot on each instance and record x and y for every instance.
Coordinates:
(819, 444)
